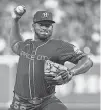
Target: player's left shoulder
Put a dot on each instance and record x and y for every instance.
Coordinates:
(56, 42)
(67, 44)
(60, 42)
(71, 47)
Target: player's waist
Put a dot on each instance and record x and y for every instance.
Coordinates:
(35, 100)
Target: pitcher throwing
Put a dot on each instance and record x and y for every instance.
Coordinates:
(35, 80)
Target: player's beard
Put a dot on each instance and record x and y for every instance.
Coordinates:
(43, 34)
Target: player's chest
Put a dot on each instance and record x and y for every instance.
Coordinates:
(39, 52)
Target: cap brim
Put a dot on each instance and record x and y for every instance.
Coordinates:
(49, 21)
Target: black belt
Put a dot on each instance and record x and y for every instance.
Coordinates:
(35, 100)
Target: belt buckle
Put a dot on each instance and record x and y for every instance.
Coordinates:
(36, 100)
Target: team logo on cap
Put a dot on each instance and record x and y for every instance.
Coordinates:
(45, 15)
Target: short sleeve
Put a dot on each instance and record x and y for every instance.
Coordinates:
(69, 52)
(18, 46)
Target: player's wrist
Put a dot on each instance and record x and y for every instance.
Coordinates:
(15, 21)
(72, 72)
(15, 17)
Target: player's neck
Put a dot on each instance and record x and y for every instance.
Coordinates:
(37, 39)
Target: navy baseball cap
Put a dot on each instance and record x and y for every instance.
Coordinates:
(40, 16)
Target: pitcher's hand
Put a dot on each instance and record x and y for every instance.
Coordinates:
(18, 12)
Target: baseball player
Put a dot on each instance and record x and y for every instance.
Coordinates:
(35, 90)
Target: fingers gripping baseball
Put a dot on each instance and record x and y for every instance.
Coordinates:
(18, 12)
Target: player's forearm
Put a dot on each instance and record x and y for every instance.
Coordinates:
(83, 66)
(15, 32)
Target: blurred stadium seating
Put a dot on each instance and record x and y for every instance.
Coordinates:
(78, 22)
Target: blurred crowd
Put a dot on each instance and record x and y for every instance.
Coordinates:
(77, 21)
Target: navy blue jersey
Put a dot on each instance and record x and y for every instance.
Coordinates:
(30, 81)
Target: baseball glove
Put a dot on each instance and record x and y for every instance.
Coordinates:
(56, 74)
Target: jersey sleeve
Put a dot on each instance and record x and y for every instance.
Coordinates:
(18, 46)
(69, 52)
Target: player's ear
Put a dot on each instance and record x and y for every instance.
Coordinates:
(33, 24)
(32, 27)
(52, 27)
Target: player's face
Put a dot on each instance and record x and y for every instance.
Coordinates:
(43, 30)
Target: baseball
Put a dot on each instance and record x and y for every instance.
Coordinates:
(20, 9)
